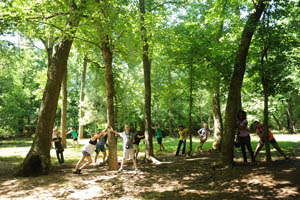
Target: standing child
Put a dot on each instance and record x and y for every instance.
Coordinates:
(260, 132)
(128, 152)
(136, 142)
(203, 133)
(183, 134)
(58, 148)
(243, 136)
(100, 146)
(74, 135)
(159, 136)
(87, 152)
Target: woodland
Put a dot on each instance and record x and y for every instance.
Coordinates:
(89, 64)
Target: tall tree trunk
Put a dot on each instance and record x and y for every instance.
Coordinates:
(190, 109)
(81, 112)
(277, 121)
(170, 91)
(291, 116)
(218, 123)
(265, 83)
(227, 151)
(266, 119)
(147, 82)
(38, 161)
(109, 84)
(64, 94)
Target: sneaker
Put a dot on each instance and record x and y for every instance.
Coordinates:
(77, 171)
(120, 170)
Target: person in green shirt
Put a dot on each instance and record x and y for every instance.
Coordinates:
(74, 135)
(159, 136)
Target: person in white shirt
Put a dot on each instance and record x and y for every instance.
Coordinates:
(128, 151)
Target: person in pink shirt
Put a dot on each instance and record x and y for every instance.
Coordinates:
(243, 136)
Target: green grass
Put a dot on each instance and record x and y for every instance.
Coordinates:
(12, 152)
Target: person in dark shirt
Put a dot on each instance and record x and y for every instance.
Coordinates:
(100, 146)
(136, 142)
(58, 148)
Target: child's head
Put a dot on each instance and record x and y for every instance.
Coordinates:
(205, 125)
(127, 128)
(256, 124)
(242, 115)
(181, 127)
(55, 128)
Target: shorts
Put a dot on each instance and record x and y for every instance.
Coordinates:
(85, 153)
(100, 147)
(75, 139)
(203, 138)
(136, 147)
(159, 140)
(128, 154)
(273, 141)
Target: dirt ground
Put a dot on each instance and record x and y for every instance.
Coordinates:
(175, 178)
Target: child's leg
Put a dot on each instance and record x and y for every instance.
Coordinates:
(134, 163)
(178, 147)
(243, 151)
(87, 163)
(104, 156)
(57, 155)
(62, 157)
(96, 157)
(258, 148)
(276, 146)
(248, 144)
(79, 162)
(122, 163)
(183, 149)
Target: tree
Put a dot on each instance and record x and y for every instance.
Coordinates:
(236, 82)
(37, 161)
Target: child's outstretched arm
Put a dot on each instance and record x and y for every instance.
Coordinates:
(113, 131)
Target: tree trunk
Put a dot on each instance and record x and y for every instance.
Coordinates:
(64, 94)
(190, 109)
(81, 112)
(266, 119)
(291, 116)
(170, 91)
(109, 84)
(147, 82)
(218, 123)
(37, 161)
(227, 151)
(277, 121)
(265, 83)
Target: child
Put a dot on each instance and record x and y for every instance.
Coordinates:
(58, 146)
(159, 136)
(87, 152)
(136, 141)
(243, 136)
(128, 152)
(203, 133)
(260, 132)
(74, 135)
(183, 134)
(100, 146)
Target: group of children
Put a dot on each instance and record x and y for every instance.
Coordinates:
(131, 142)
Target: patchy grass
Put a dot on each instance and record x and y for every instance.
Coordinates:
(175, 178)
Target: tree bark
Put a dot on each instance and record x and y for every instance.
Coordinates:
(107, 54)
(147, 82)
(190, 109)
(64, 105)
(170, 91)
(291, 120)
(81, 112)
(37, 161)
(277, 121)
(227, 151)
(265, 84)
(218, 123)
